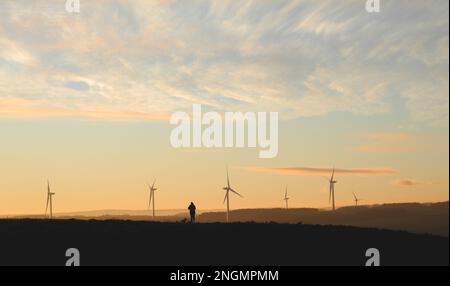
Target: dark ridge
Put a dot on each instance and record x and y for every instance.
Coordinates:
(118, 242)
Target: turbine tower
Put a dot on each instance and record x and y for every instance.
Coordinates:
(286, 198)
(356, 199)
(49, 201)
(331, 195)
(228, 189)
(152, 197)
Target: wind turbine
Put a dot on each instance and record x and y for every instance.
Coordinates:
(228, 189)
(152, 197)
(286, 198)
(331, 195)
(356, 199)
(49, 201)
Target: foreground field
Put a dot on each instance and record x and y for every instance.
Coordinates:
(43, 242)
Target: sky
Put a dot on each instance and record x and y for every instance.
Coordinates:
(85, 101)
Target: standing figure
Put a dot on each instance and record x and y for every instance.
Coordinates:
(192, 209)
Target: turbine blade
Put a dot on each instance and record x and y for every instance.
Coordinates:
(228, 179)
(154, 181)
(355, 196)
(332, 175)
(236, 193)
(225, 199)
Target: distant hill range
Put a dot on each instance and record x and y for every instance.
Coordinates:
(169, 215)
(432, 218)
(111, 212)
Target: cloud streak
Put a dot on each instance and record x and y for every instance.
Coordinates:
(16, 108)
(313, 172)
(409, 183)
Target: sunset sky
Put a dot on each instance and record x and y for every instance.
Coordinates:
(85, 101)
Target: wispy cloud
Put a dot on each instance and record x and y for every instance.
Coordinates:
(311, 171)
(409, 183)
(301, 58)
(19, 108)
(13, 53)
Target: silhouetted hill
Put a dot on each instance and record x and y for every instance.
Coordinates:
(44, 242)
(413, 217)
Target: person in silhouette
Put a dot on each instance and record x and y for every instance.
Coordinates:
(192, 209)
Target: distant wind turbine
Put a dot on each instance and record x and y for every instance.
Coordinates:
(228, 189)
(286, 198)
(152, 197)
(331, 195)
(356, 199)
(49, 201)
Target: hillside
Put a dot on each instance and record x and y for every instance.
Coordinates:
(44, 242)
(413, 217)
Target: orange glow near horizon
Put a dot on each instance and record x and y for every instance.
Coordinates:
(85, 102)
